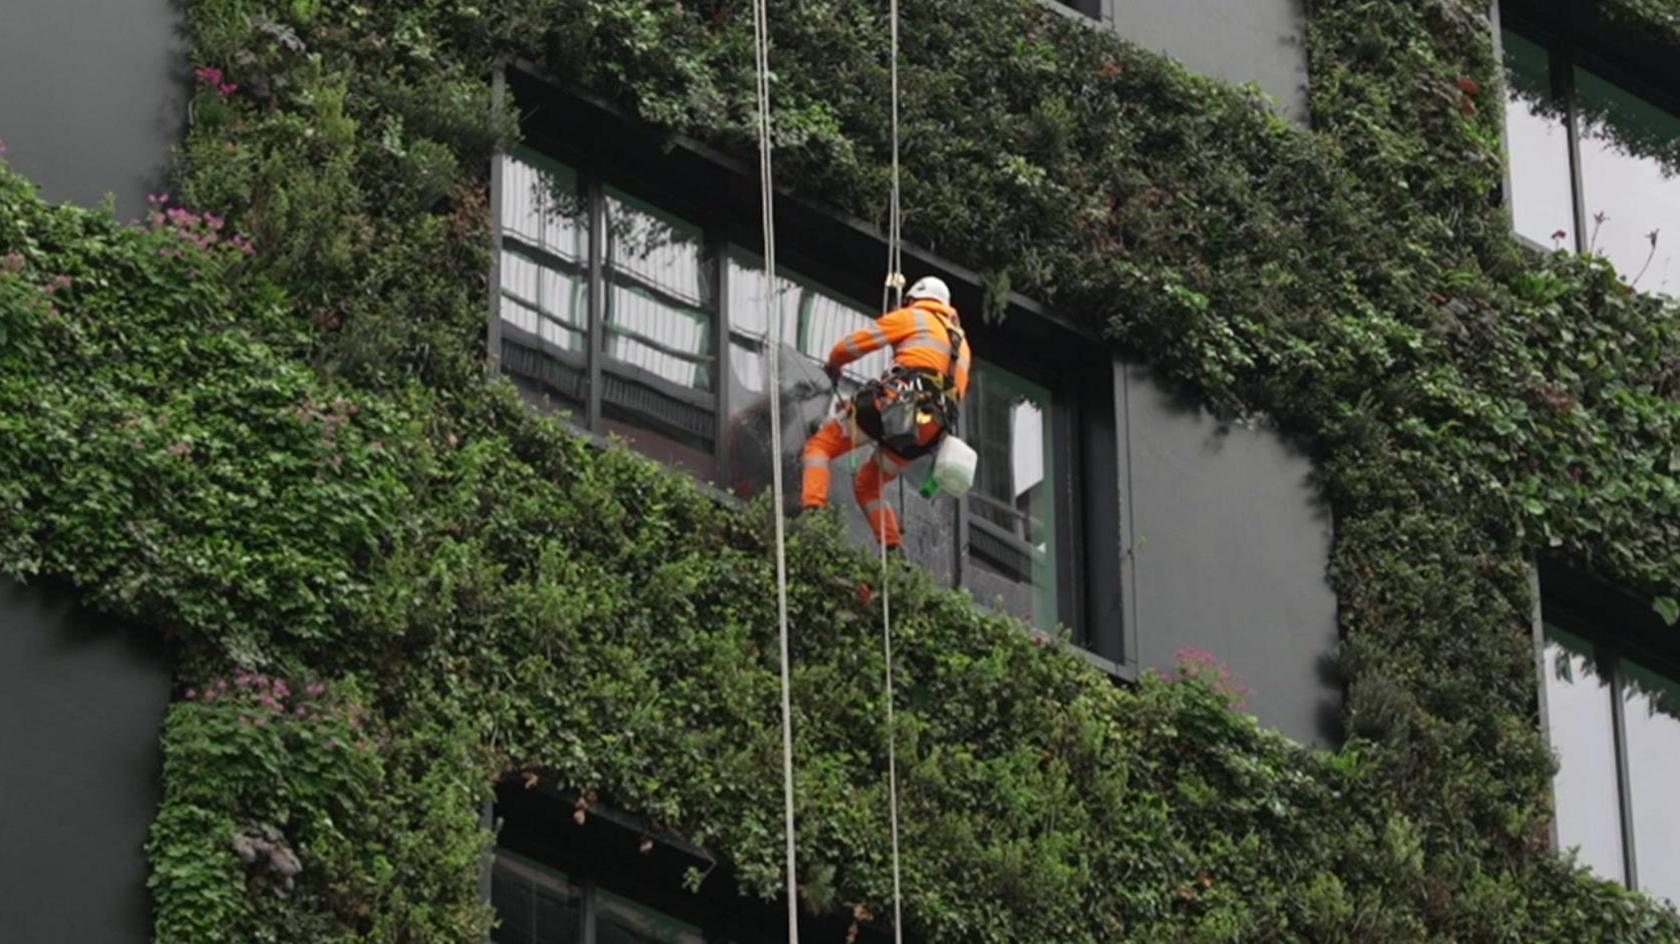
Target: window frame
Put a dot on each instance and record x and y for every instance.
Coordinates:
(615, 853)
(1571, 40)
(1082, 544)
(1582, 605)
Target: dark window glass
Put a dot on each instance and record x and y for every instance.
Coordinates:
(1542, 202)
(659, 346)
(1632, 200)
(545, 274)
(622, 921)
(1579, 713)
(1091, 8)
(535, 905)
(1651, 711)
(1013, 519)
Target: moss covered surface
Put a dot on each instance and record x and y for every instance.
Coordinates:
(288, 460)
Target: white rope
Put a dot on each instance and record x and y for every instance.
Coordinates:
(895, 286)
(772, 311)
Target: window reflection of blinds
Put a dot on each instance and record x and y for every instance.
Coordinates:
(543, 302)
(813, 321)
(541, 207)
(660, 251)
(672, 343)
(658, 296)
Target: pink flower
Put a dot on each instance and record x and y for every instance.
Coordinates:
(243, 719)
(301, 712)
(192, 693)
(281, 689)
(209, 75)
(261, 722)
(316, 689)
(12, 262)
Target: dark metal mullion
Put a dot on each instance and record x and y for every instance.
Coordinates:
(1064, 430)
(1560, 62)
(597, 297)
(1624, 787)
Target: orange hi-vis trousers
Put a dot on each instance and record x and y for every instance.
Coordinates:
(836, 438)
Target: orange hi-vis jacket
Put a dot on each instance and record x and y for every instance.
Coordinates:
(919, 338)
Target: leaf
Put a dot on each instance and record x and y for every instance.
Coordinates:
(1668, 608)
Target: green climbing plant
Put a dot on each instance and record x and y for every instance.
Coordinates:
(279, 448)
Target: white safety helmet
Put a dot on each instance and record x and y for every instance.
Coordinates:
(930, 286)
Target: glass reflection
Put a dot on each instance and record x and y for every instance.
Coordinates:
(544, 284)
(1580, 718)
(1632, 200)
(622, 921)
(534, 905)
(1651, 711)
(1012, 508)
(659, 346)
(1542, 201)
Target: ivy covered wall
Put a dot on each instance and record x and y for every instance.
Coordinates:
(260, 425)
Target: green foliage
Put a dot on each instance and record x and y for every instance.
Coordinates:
(290, 462)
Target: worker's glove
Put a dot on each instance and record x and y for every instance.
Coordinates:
(833, 371)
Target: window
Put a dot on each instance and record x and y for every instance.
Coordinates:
(1614, 722)
(1012, 509)
(648, 323)
(554, 880)
(539, 905)
(1542, 201)
(1622, 200)
(1090, 8)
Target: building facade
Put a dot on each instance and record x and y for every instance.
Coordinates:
(626, 297)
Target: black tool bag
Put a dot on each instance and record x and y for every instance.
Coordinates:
(890, 409)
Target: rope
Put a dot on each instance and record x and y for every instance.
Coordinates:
(761, 35)
(894, 286)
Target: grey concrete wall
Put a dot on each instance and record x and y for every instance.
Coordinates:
(1260, 41)
(92, 95)
(81, 702)
(1229, 552)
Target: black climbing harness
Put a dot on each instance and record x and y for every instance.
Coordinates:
(893, 408)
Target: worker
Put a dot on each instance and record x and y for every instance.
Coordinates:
(905, 413)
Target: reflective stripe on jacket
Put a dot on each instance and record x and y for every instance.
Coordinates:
(918, 336)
